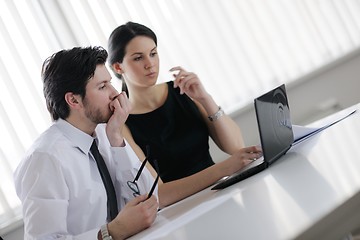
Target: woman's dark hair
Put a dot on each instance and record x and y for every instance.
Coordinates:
(68, 71)
(120, 38)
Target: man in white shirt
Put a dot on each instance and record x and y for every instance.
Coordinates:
(58, 181)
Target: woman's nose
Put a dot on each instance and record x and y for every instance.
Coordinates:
(148, 63)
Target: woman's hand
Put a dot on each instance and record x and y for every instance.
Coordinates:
(189, 83)
(243, 157)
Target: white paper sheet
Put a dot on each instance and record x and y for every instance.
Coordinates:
(301, 133)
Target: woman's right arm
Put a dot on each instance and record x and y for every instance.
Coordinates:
(139, 153)
(171, 192)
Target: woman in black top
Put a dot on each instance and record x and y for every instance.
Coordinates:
(177, 135)
(175, 119)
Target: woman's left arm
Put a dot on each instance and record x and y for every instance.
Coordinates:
(223, 130)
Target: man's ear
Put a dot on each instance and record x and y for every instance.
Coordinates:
(117, 68)
(72, 99)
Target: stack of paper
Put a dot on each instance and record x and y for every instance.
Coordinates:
(301, 133)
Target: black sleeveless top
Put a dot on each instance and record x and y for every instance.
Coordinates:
(177, 135)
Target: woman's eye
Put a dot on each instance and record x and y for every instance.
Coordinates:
(137, 58)
(153, 54)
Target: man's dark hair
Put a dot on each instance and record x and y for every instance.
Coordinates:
(69, 71)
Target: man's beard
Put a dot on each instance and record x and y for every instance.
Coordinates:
(95, 114)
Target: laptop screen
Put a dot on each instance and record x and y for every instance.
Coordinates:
(274, 123)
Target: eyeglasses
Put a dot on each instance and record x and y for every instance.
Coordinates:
(133, 185)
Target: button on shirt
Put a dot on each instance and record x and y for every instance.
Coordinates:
(60, 187)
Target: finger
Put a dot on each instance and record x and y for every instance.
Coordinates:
(255, 149)
(249, 149)
(177, 68)
(250, 153)
(179, 78)
(121, 104)
(138, 199)
(258, 148)
(151, 203)
(186, 81)
(248, 161)
(174, 69)
(114, 104)
(254, 156)
(154, 205)
(176, 81)
(124, 102)
(189, 81)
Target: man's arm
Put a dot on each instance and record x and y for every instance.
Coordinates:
(43, 191)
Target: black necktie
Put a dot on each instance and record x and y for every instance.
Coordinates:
(105, 176)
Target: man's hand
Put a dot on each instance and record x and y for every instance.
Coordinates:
(121, 108)
(137, 215)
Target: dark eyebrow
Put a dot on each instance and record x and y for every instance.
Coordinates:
(139, 53)
(103, 82)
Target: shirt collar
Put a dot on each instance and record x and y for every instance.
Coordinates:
(79, 138)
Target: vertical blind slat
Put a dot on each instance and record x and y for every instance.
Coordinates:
(239, 48)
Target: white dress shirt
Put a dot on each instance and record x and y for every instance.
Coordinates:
(60, 187)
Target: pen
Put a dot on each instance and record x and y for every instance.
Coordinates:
(156, 180)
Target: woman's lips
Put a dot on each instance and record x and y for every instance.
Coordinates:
(152, 74)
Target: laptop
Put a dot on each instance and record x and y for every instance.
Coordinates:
(275, 130)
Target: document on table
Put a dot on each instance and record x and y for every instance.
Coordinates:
(302, 133)
(169, 220)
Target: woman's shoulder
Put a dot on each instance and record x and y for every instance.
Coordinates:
(165, 85)
(171, 89)
(162, 88)
(169, 83)
(166, 89)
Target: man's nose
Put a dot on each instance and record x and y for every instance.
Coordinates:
(114, 93)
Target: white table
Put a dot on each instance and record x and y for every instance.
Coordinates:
(313, 192)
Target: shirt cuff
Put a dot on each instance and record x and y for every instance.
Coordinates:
(125, 157)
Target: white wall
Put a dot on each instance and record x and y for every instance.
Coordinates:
(330, 89)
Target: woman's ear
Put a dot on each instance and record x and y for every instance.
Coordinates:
(117, 68)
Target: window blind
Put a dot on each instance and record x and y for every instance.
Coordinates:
(238, 48)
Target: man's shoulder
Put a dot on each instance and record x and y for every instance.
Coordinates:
(45, 146)
(48, 141)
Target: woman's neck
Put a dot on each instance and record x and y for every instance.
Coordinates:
(145, 100)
